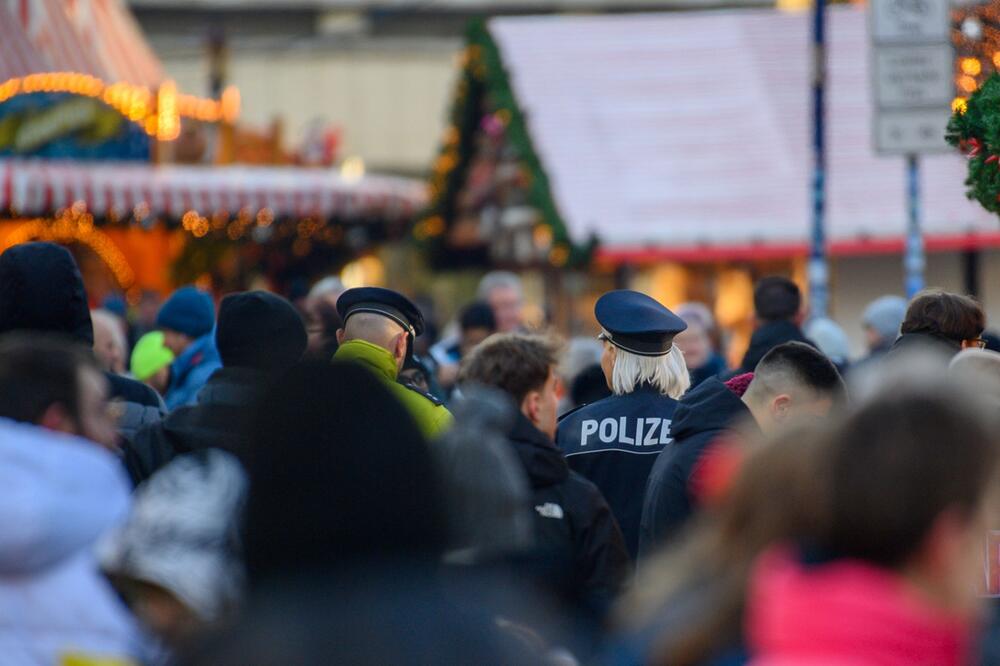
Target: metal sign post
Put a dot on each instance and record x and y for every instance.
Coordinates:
(914, 261)
(819, 273)
(913, 63)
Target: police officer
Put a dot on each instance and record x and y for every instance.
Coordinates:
(379, 328)
(615, 441)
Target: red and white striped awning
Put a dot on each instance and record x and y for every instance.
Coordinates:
(95, 37)
(32, 187)
(17, 55)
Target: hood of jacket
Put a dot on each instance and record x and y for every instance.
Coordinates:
(542, 461)
(769, 336)
(41, 290)
(846, 613)
(58, 495)
(710, 406)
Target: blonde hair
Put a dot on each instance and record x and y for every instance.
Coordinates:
(667, 373)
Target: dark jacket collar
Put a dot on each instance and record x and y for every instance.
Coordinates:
(709, 407)
(237, 387)
(769, 336)
(542, 461)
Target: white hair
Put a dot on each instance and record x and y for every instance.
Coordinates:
(328, 285)
(496, 279)
(667, 373)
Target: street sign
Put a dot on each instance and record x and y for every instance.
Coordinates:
(909, 76)
(911, 132)
(912, 75)
(910, 20)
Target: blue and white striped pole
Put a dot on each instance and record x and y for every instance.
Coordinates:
(819, 273)
(914, 261)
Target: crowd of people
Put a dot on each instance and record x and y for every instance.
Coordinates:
(262, 482)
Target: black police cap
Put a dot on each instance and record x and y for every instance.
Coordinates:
(383, 302)
(637, 323)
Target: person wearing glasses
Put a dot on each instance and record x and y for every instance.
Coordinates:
(615, 441)
(938, 321)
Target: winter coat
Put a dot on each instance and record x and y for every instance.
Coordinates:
(58, 496)
(220, 420)
(190, 371)
(573, 523)
(846, 613)
(766, 338)
(923, 343)
(41, 290)
(702, 416)
(430, 414)
(614, 443)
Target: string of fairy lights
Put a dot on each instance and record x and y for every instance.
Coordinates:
(159, 113)
(975, 36)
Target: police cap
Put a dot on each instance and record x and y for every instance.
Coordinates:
(383, 302)
(637, 323)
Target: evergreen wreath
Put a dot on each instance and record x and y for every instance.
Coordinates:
(974, 129)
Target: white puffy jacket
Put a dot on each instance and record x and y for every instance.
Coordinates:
(58, 496)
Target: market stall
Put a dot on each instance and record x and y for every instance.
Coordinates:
(680, 143)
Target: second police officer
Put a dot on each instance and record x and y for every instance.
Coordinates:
(615, 441)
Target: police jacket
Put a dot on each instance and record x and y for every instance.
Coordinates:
(573, 523)
(614, 443)
(703, 414)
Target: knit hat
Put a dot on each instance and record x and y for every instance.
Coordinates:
(150, 356)
(188, 311)
(259, 330)
(41, 290)
(885, 315)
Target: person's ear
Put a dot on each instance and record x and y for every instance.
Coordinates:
(401, 345)
(341, 334)
(781, 407)
(56, 418)
(531, 405)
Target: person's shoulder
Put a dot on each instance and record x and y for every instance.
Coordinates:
(434, 400)
(131, 390)
(589, 409)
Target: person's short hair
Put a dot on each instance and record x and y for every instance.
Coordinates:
(39, 371)
(899, 462)
(477, 315)
(516, 363)
(805, 366)
(776, 298)
(942, 314)
(496, 279)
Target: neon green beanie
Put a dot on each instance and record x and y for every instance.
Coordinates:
(150, 356)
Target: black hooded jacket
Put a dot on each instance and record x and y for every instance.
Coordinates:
(259, 335)
(220, 420)
(766, 338)
(41, 290)
(705, 413)
(573, 523)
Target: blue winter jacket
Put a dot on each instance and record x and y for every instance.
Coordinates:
(190, 371)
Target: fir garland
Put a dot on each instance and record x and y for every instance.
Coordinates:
(484, 83)
(974, 129)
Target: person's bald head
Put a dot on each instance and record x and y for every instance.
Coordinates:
(377, 330)
(793, 381)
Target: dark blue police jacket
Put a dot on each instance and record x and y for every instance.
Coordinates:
(614, 442)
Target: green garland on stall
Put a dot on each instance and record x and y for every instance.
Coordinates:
(483, 74)
(974, 129)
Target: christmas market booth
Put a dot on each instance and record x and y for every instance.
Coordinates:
(672, 153)
(101, 152)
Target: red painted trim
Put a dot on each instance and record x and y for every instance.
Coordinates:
(769, 251)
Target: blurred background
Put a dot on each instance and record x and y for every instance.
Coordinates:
(665, 146)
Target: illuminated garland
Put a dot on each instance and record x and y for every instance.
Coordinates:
(159, 115)
(484, 78)
(75, 226)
